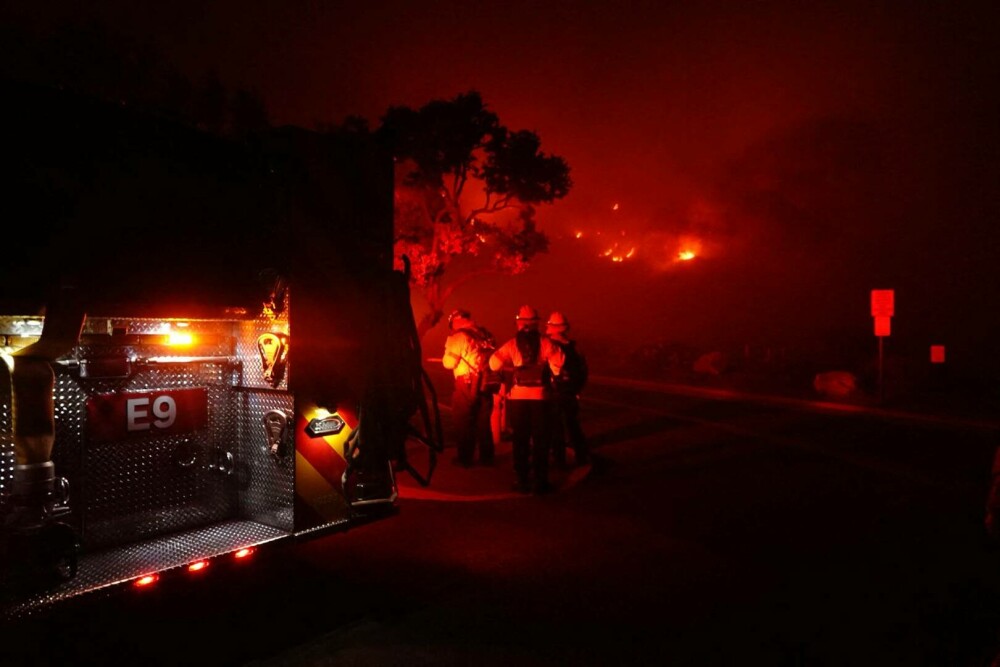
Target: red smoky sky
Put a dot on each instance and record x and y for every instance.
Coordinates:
(809, 152)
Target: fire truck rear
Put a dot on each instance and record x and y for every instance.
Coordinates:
(191, 387)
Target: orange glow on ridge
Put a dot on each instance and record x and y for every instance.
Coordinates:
(197, 566)
(688, 247)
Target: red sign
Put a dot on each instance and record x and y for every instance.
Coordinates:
(883, 326)
(937, 354)
(169, 411)
(883, 303)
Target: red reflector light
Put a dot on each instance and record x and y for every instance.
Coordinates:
(197, 566)
(243, 553)
(146, 580)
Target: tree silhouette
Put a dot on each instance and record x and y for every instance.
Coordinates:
(466, 192)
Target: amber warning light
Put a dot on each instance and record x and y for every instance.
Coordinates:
(179, 338)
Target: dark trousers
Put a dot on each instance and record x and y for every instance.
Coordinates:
(531, 428)
(471, 411)
(566, 429)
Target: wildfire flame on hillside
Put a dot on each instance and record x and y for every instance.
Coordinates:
(689, 247)
(659, 249)
(682, 249)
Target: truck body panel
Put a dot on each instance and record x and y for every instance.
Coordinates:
(236, 381)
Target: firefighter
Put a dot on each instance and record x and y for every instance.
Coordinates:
(566, 395)
(35, 485)
(466, 354)
(37, 492)
(535, 360)
(32, 525)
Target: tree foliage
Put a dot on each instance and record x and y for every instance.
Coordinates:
(466, 195)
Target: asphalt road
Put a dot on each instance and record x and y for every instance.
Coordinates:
(711, 531)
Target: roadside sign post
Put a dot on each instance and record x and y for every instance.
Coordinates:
(883, 308)
(938, 370)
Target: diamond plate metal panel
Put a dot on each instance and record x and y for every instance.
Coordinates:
(267, 480)
(68, 451)
(6, 434)
(141, 487)
(137, 489)
(111, 567)
(15, 332)
(151, 503)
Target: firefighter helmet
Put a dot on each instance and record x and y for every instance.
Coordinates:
(526, 317)
(458, 314)
(557, 322)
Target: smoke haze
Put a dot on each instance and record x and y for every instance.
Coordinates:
(808, 152)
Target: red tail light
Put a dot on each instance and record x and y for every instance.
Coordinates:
(243, 553)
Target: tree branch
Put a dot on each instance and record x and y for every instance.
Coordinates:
(461, 177)
(500, 205)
